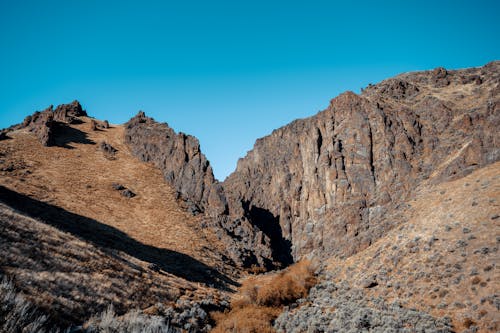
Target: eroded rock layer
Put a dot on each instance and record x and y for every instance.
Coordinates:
(337, 181)
(334, 183)
(185, 168)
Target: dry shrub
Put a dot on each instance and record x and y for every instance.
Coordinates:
(249, 319)
(287, 286)
(260, 299)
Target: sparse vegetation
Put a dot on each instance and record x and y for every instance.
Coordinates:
(132, 322)
(79, 256)
(342, 308)
(261, 299)
(16, 313)
(66, 280)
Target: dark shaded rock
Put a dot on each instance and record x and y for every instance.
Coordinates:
(123, 190)
(128, 193)
(108, 150)
(118, 187)
(3, 135)
(334, 183)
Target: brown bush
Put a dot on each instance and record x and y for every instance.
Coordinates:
(249, 319)
(287, 286)
(260, 299)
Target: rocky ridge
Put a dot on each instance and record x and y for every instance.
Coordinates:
(334, 183)
(360, 184)
(44, 123)
(184, 167)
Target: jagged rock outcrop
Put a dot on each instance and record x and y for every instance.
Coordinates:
(183, 165)
(178, 156)
(69, 113)
(334, 183)
(43, 123)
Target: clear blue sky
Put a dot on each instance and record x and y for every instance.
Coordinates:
(227, 72)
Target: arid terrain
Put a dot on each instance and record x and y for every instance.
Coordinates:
(89, 246)
(379, 214)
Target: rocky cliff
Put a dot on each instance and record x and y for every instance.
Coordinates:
(337, 181)
(184, 167)
(334, 183)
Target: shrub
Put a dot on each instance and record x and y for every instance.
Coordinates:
(131, 322)
(287, 286)
(260, 299)
(248, 319)
(16, 313)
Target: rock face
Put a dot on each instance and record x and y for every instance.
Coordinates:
(69, 113)
(183, 165)
(43, 123)
(334, 183)
(179, 157)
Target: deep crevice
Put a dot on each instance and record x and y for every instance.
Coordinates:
(269, 224)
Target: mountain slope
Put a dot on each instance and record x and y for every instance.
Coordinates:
(335, 182)
(78, 176)
(443, 261)
(103, 245)
(394, 191)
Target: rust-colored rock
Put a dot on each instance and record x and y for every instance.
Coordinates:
(69, 113)
(334, 183)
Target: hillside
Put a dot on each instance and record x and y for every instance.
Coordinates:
(392, 194)
(442, 262)
(150, 240)
(335, 182)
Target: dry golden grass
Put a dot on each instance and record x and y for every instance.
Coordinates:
(248, 319)
(260, 299)
(70, 279)
(444, 259)
(79, 178)
(99, 250)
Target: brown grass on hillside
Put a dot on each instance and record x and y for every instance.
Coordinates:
(78, 174)
(73, 243)
(260, 299)
(444, 260)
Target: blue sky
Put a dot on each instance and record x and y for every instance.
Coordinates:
(227, 72)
